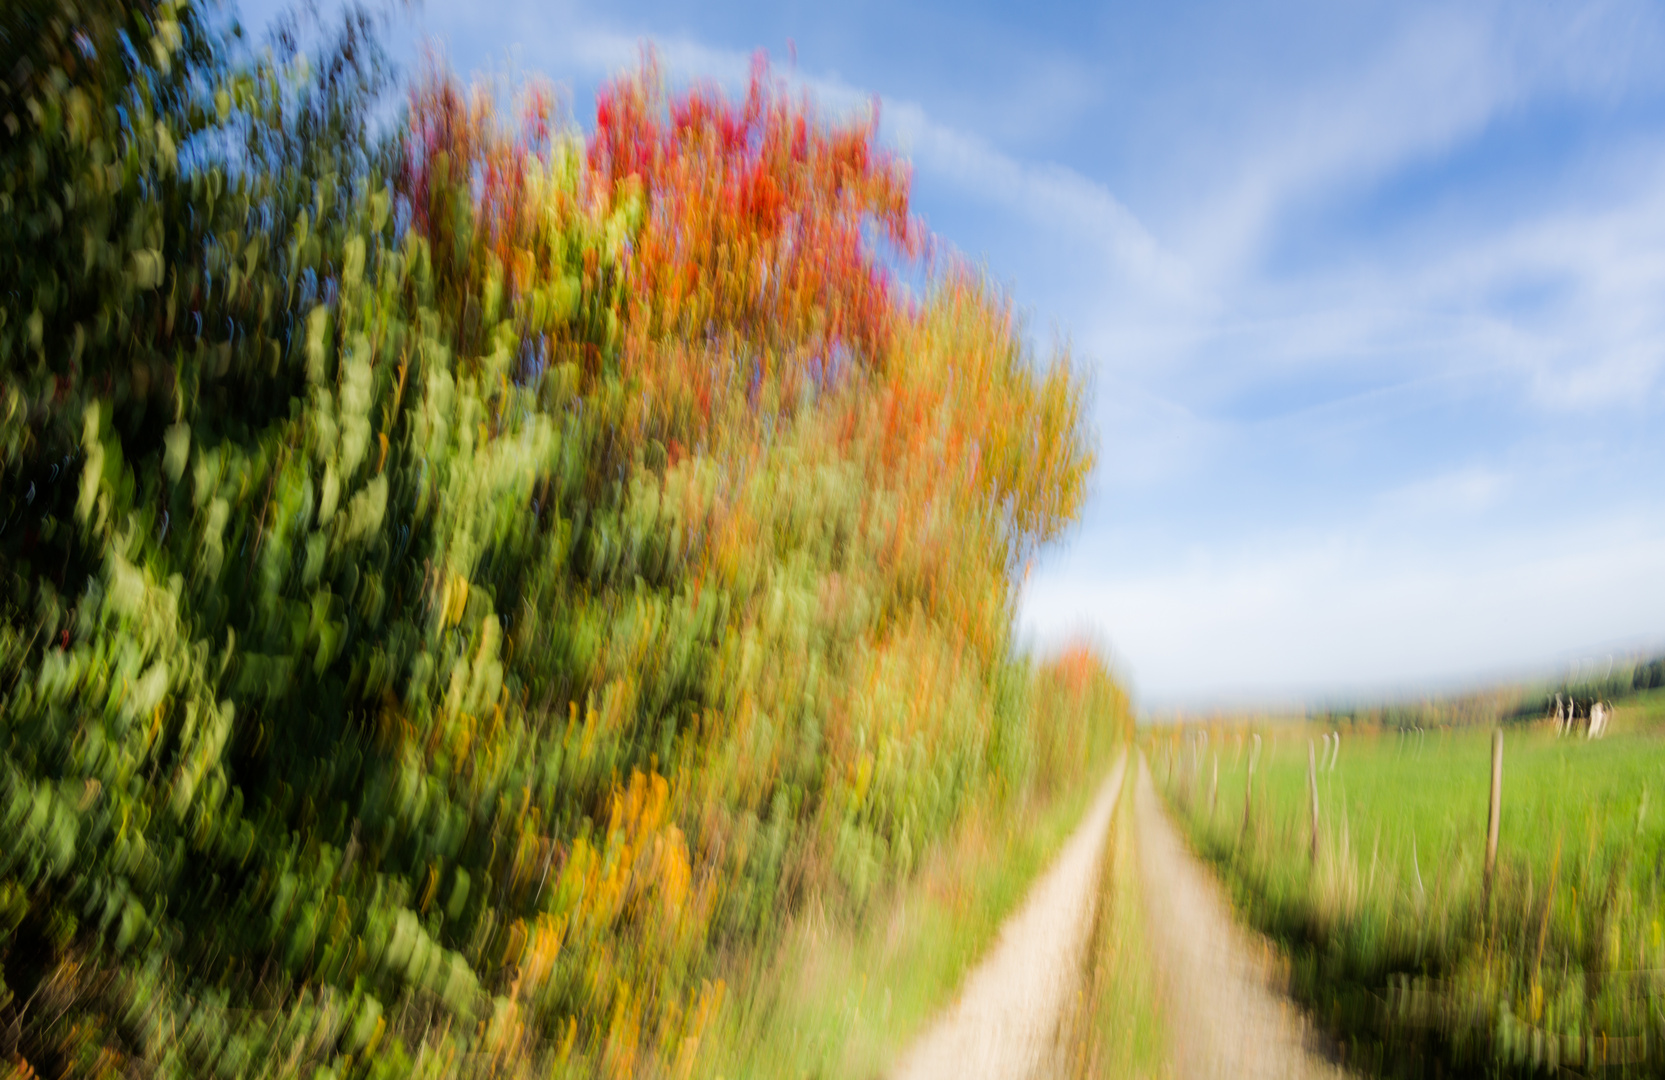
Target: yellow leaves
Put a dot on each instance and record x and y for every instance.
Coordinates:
(167, 154)
(675, 874)
(986, 449)
(514, 947)
(330, 497)
(641, 807)
(462, 738)
(429, 887)
(148, 268)
(399, 391)
(708, 1001)
(78, 115)
(569, 1036)
(92, 474)
(367, 1027)
(392, 726)
(317, 344)
(366, 509)
(532, 852)
(642, 872)
(352, 265)
(562, 296)
(623, 1033)
(542, 947)
(157, 715)
(862, 776)
(356, 390)
(177, 440)
(638, 814)
(456, 599)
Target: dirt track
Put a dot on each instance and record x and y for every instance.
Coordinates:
(1227, 1017)
(1002, 1027)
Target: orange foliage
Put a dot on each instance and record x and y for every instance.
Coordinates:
(846, 478)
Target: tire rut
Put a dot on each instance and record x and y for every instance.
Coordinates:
(1227, 1016)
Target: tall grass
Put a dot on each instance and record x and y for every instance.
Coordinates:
(1391, 936)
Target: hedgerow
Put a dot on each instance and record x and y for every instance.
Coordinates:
(465, 587)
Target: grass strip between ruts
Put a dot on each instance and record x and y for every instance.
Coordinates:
(1119, 1029)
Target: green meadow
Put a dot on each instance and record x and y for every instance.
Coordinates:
(1389, 931)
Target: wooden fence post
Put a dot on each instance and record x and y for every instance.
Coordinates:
(1312, 785)
(1496, 808)
(1214, 787)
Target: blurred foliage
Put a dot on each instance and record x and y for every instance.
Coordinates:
(458, 590)
(1390, 935)
(847, 996)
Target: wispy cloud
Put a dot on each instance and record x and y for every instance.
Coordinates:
(1433, 501)
(1057, 198)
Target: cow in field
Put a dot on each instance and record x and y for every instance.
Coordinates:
(1573, 715)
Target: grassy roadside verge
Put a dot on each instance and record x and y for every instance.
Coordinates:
(1118, 1029)
(844, 999)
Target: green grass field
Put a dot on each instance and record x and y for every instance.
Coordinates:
(1390, 936)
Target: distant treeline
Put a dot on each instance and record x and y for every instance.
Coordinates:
(1518, 703)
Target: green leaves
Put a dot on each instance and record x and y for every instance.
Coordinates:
(447, 621)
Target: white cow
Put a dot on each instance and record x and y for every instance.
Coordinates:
(1589, 716)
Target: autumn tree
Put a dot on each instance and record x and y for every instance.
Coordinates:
(464, 591)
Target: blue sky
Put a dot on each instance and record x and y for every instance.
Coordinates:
(1373, 297)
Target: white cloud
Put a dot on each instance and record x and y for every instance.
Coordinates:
(1596, 334)
(602, 52)
(1463, 492)
(1339, 612)
(1429, 79)
(1438, 79)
